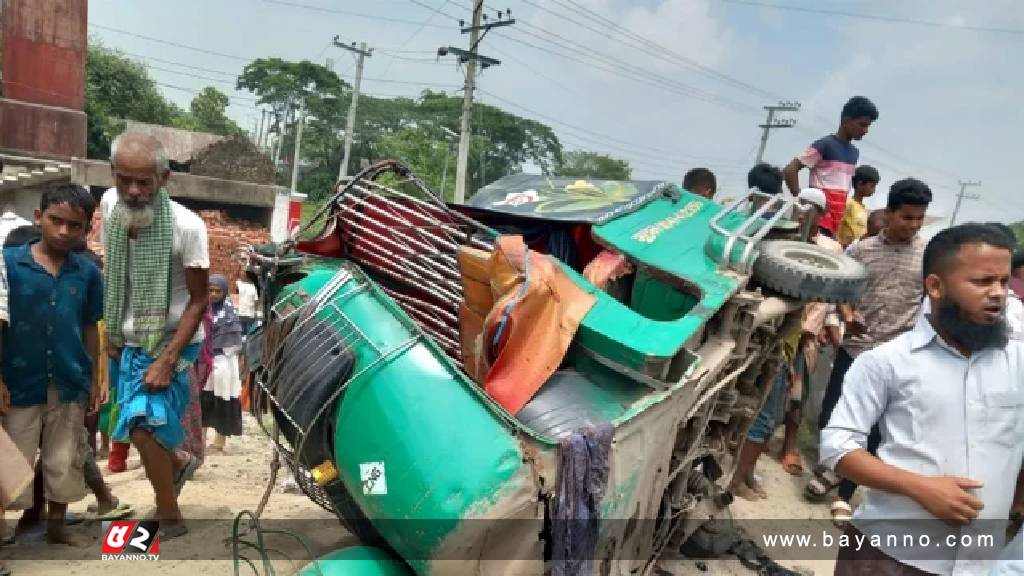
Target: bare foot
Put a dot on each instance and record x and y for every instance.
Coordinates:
(743, 491)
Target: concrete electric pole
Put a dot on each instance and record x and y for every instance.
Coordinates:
(350, 125)
(471, 58)
(298, 151)
(960, 198)
(771, 122)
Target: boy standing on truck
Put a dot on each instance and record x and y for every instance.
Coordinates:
(832, 159)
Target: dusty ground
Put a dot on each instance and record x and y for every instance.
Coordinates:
(231, 482)
(225, 485)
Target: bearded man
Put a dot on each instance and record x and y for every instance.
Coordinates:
(948, 398)
(155, 281)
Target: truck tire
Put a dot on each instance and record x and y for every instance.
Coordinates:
(809, 272)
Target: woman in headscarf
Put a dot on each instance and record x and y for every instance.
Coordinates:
(222, 409)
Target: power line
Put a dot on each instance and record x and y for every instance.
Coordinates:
(625, 71)
(591, 135)
(174, 63)
(225, 82)
(620, 65)
(626, 67)
(351, 13)
(643, 44)
(862, 16)
(433, 12)
(170, 43)
(194, 91)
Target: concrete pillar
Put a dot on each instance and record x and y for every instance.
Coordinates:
(279, 217)
(44, 51)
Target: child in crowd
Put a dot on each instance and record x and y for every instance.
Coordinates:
(855, 218)
(50, 349)
(701, 182)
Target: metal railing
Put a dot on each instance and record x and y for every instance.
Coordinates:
(753, 229)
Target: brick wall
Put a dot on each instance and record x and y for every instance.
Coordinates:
(225, 236)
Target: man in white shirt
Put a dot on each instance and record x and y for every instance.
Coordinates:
(155, 281)
(948, 398)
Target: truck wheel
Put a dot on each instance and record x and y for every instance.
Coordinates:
(809, 272)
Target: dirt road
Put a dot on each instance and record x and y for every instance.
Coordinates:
(231, 482)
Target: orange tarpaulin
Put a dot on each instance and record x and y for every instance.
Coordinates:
(537, 309)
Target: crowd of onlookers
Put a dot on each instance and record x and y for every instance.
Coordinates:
(139, 348)
(923, 406)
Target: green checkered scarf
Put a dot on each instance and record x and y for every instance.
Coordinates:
(149, 273)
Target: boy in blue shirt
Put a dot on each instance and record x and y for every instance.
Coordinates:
(49, 349)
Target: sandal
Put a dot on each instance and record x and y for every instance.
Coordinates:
(186, 472)
(117, 512)
(793, 464)
(823, 482)
(841, 512)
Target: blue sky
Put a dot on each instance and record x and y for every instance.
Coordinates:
(949, 97)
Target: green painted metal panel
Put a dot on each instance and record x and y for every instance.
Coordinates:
(665, 237)
(443, 452)
(355, 561)
(658, 300)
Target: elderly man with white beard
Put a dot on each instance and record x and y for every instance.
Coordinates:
(155, 280)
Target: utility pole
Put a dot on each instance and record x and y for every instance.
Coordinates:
(362, 52)
(259, 133)
(447, 155)
(298, 147)
(771, 122)
(960, 198)
(471, 58)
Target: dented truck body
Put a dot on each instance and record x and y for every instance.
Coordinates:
(380, 421)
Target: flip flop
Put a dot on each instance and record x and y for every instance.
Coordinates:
(823, 482)
(793, 464)
(118, 512)
(186, 472)
(841, 512)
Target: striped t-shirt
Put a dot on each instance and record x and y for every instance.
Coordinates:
(832, 163)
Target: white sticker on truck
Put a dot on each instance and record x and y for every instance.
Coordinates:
(371, 475)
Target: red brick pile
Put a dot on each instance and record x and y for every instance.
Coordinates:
(226, 235)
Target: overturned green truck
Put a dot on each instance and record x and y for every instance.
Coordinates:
(555, 378)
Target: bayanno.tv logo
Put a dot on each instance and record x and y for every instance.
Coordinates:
(130, 540)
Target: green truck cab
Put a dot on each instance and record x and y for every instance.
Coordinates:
(360, 363)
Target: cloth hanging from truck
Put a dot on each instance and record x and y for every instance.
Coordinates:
(582, 479)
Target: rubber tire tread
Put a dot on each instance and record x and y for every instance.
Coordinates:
(776, 270)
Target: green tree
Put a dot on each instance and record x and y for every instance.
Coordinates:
(409, 129)
(585, 164)
(119, 89)
(208, 113)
